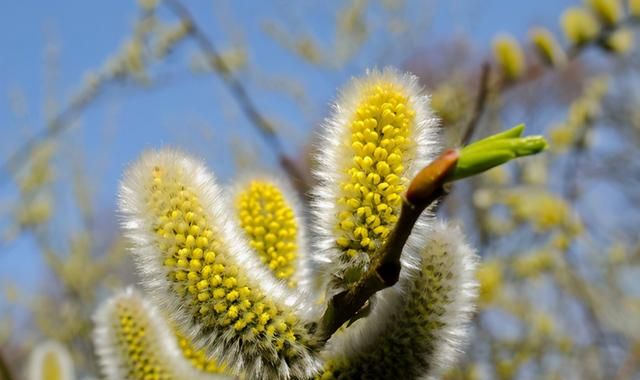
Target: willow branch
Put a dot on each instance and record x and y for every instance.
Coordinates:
(481, 102)
(426, 188)
(240, 94)
(19, 157)
(5, 373)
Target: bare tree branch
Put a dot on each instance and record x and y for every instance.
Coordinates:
(240, 94)
(481, 101)
(5, 373)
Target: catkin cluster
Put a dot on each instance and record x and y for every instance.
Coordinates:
(601, 23)
(239, 284)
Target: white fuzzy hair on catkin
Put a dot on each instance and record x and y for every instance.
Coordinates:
(56, 351)
(162, 342)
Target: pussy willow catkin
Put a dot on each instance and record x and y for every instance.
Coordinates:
(134, 342)
(380, 134)
(50, 360)
(198, 268)
(420, 325)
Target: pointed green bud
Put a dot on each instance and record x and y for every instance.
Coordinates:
(514, 132)
(496, 150)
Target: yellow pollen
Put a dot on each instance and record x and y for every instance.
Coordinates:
(270, 225)
(51, 367)
(137, 345)
(198, 358)
(373, 182)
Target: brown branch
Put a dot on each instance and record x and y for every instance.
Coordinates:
(481, 101)
(384, 271)
(240, 94)
(5, 373)
(630, 364)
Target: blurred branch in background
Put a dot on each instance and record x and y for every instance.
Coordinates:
(5, 374)
(481, 101)
(240, 94)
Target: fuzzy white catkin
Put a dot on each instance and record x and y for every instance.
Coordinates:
(134, 342)
(382, 131)
(200, 271)
(50, 359)
(420, 325)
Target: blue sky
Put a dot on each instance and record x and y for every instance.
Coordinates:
(114, 130)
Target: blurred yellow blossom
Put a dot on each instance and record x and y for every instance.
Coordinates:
(542, 209)
(543, 324)
(489, 276)
(509, 56)
(547, 47)
(609, 12)
(634, 8)
(582, 112)
(450, 102)
(579, 26)
(620, 41)
(533, 264)
(148, 4)
(169, 37)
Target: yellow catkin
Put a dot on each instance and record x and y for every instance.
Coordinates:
(213, 289)
(621, 41)
(634, 8)
(411, 342)
(130, 326)
(508, 54)
(609, 12)
(269, 223)
(51, 367)
(50, 361)
(373, 184)
(489, 277)
(547, 47)
(198, 358)
(579, 26)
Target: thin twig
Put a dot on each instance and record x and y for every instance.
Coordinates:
(630, 364)
(240, 94)
(19, 157)
(481, 101)
(5, 373)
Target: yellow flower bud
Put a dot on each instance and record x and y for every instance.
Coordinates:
(609, 12)
(509, 56)
(579, 26)
(547, 47)
(620, 41)
(634, 8)
(50, 360)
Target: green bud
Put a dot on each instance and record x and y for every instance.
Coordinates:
(514, 132)
(496, 150)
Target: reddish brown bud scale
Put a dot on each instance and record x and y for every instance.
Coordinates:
(428, 182)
